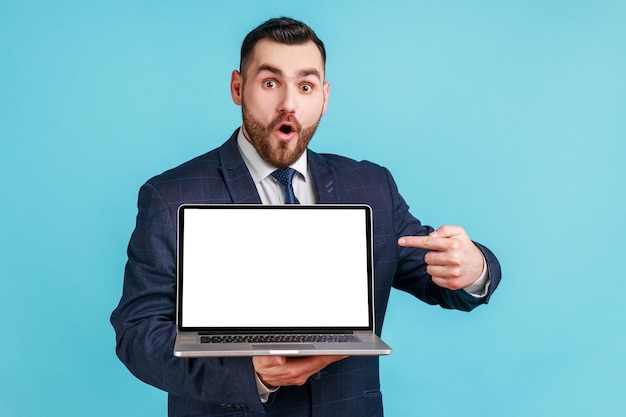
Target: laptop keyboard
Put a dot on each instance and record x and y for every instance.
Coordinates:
(280, 338)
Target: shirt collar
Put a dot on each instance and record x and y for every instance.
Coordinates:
(258, 167)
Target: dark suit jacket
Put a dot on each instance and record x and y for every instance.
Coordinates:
(144, 321)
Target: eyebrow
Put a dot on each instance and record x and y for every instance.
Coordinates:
(302, 73)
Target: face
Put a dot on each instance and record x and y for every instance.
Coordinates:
(283, 97)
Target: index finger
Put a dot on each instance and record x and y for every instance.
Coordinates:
(423, 242)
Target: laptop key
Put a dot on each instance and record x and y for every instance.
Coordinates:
(280, 338)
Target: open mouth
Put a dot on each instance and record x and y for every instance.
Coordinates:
(285, 129)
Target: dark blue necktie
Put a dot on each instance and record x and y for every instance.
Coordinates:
(284, 176)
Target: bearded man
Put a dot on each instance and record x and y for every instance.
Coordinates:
(282, 91)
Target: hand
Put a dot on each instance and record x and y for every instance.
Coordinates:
(277, 371)
(454, 261)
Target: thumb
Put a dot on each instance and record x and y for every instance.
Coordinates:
(267, 361)
(446, 231)
(277, 360)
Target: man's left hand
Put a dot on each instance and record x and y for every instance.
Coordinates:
(454, 261)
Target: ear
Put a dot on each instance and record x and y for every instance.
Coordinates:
(236, 87)
(326, 95)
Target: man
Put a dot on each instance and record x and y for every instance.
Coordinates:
(283, 94)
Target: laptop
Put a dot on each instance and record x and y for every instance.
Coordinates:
(292, 280)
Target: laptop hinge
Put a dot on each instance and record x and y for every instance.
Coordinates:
(266, 331)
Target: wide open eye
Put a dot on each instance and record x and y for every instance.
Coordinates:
(270, 84)
(306, 88)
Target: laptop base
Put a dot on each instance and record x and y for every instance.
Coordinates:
(188, 346)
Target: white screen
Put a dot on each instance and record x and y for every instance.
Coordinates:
(275, 267)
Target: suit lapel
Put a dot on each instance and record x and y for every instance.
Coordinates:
(324, 179)
(236, 176)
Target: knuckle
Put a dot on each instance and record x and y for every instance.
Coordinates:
(455, 261)
(301, 380)
(438, 281)
(455, 286)
(455, 272)
(293, 374)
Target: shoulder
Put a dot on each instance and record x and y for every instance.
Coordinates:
(344, 167)
(342, 162)
(205, 167)
(352, 181)
(203, 179)
(200, 166)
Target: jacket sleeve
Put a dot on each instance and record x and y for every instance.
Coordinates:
(411, 275)
(144, 320)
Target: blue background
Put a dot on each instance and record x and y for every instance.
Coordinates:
(507, 118)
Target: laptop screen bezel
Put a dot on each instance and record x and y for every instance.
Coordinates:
(251, 330)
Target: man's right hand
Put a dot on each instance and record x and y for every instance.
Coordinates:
(281, 371)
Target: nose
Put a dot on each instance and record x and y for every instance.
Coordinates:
(288, 101)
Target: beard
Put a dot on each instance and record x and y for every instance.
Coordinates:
(280, 156)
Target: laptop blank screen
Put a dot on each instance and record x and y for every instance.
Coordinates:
(274, 267)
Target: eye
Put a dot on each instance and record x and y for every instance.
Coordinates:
(270, 84)
(306, 88)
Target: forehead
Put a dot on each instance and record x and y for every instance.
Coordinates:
(290, 59)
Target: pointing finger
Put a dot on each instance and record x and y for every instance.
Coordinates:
(423, 242)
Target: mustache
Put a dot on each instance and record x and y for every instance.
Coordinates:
(286, 118)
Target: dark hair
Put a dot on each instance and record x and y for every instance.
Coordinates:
(282, 30)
